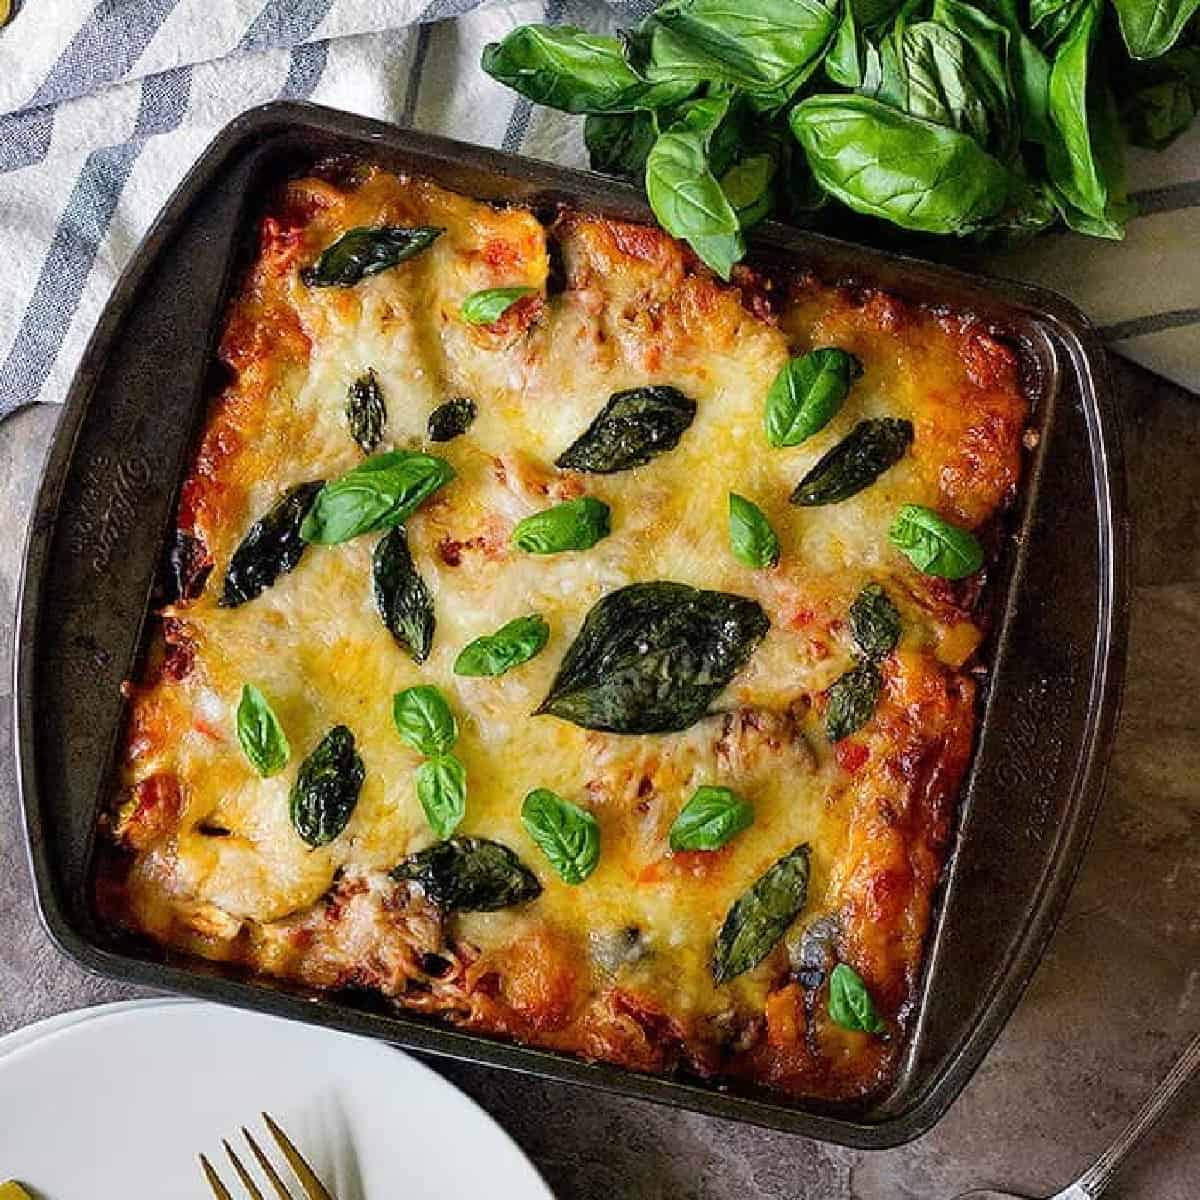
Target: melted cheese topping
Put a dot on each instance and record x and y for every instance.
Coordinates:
(618, 967)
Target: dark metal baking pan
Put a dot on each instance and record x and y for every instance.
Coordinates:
(108, 498)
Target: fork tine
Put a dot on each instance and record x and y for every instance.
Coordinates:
(264, 1162)
(244, 1175)
(214, 1180)
(314, 1189)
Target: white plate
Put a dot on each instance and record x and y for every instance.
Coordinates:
(118, 1103)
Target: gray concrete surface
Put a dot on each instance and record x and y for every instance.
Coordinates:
(1117, 996)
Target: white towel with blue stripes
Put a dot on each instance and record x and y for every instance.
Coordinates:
(104, 104)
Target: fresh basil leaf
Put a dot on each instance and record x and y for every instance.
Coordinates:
(761, 916)
(566, 834)
(988, 49)
(688, 201)
(261, 736)
(808, 393)
(1151, 27)
(326, 788)
(1083, 158)
(383, 491)
(1052, 18)
(467, 874)
(366, 251)
(442, 791)
(747, 187)
(366, 412)
(573, 525)
(859, 459)
(451, 419)
(1028, 72)
(933, 545)
(850, 1003)
(851, 701)
(844, 61)
(751, 537)
(567, 68)
(425, 720)
(712, 817)
(632, 428)
(401, 597)
(1159, 99)
(488, 306)
(885, 163)
(769, 47)
(510, 646)
(272, 546)
(939, 85)
(874, 623)
(651, 657)
(618, 143)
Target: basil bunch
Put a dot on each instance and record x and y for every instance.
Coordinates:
(966, 117)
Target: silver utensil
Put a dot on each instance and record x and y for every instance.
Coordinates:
(314, 1189)
(1095, 1180)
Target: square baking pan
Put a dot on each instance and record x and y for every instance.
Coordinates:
(108, 499)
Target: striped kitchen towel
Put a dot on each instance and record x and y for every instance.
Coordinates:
(104, 104)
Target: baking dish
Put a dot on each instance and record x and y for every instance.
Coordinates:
(109, 494)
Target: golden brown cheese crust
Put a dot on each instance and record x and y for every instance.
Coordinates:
(618, 968)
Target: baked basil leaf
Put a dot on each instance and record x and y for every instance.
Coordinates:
(365, 251)
(850, 1003)
(326, 788)
(618, 143)
(808, 393)
(761, 916)
(859, 459)
(401, 597)
(651, 657)
(712, 817)
(632, 428)
(933, 545)
(567, 68)
(886, 163)
(260, 734)
(874, 623)
(272, 546)
(769, 47)
(442, 791)
(572, 525)
(451, 419)
(489, 305)
(852, 700)
(566, 834)
(1151, 27)
(383, 491)
(366, 412)
(467, 874)
(425, 720)
(510, 646)
(751, 537)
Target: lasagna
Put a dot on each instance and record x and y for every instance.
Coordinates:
(567, 644)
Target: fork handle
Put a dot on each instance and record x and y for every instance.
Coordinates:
(1100, 1174)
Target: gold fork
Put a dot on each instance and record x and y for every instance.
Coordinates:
(314, 1189)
